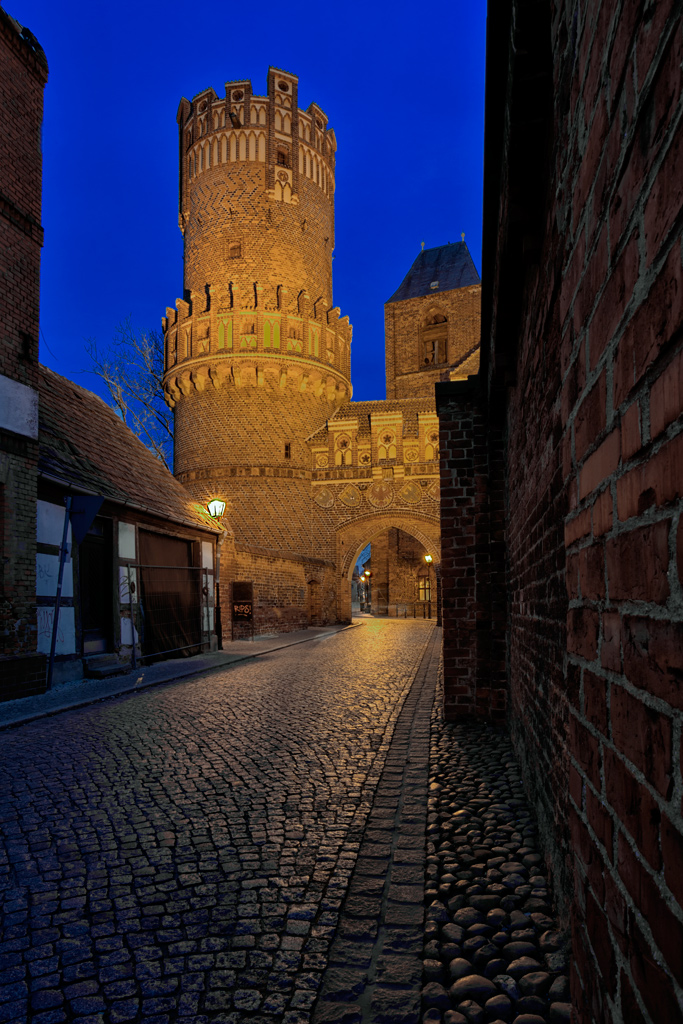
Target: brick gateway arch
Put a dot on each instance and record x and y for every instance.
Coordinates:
(353, 535)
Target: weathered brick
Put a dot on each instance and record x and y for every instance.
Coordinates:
(598, 930)
(630, 431)
(616, 296)
(666, 928)
(666, 396)
(653, 656)
(637, 564)
(652, 326)
(591, 417)
(644, 736)
(601, 464)
(595, 700)
(582, 632)
(634, 806)
(586, 750)
(610, 648)
(656, 482)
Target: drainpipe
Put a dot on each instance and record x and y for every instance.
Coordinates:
(218, 619)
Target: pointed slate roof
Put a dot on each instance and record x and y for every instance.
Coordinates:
(83, 443)
(451, 265)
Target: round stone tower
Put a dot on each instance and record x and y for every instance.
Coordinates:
(256, 356)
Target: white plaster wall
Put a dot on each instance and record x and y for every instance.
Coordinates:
(18, 407)
(51, 523)
(66, 631)
(47, 570)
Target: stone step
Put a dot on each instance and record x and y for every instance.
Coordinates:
(101, 666)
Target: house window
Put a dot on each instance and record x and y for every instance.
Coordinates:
(424, 588)
(288, 450)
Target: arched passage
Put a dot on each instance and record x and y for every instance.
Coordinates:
(353, 536)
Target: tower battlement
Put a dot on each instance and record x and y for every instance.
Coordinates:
(270, 130)
(257, 192)
(220, 335)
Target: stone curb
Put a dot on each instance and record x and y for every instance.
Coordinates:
(374, 970)
(177, 676)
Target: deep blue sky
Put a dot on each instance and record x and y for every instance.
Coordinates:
(402, 84)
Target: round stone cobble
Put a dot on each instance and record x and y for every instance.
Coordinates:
(492, 945)
(182, 854)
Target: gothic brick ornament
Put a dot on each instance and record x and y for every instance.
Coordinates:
(381, 494)
(350, 495)
(324, 497)
(411, 493)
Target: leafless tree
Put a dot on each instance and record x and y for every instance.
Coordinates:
(132, 368)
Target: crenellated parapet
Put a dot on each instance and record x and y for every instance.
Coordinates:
(241, 127)
(225, 337)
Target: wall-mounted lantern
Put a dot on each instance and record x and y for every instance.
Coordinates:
(428, 559)
(216, 508)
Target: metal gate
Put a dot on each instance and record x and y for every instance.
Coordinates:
(174, 609)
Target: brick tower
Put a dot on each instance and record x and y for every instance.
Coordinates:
(257, 356)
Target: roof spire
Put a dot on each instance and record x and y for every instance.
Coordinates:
(462, 235)
(423, 247)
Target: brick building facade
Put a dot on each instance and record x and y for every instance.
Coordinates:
(562, 477)
(258, 361)
(23, 74)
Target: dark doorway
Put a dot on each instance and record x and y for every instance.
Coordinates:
(170, 595)
(96, 587)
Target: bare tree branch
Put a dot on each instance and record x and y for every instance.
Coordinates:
(132, 369)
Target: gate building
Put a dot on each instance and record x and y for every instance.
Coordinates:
(258, 366)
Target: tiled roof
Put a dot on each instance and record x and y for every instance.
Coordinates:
(451, 266)
(83, 442)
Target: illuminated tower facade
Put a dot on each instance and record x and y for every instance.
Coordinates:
(256, 354)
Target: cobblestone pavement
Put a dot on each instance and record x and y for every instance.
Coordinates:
(183, 853)
(77, 693)
(493, 951)
(374, 971)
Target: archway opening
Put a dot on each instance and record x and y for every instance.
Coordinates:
(394, 576)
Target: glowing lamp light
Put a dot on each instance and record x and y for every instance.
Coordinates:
(428, 559)
(216, 508)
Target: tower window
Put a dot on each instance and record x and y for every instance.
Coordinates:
(288, 450)
(235, 250)
(434, 340)
(434, 352)
(282, 158)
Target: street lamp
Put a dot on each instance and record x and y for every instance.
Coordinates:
(428, 559)
(216, 508)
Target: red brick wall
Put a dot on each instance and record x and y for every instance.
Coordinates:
(582, 346)
(621, 362)
(23, 73)
(472, 554)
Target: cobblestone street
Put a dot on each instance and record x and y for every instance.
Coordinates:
(183, 853)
